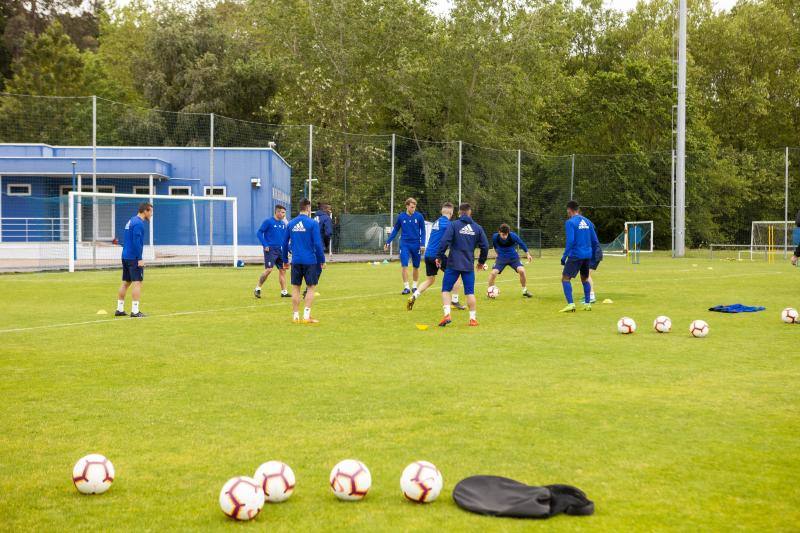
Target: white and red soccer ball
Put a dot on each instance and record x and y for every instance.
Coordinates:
(626, 325)
(699, 328)
(421, 482)
(493, 291)
(93, 474)
(241, 498)
(790, 315)
(662, 324)
(350, 480)
(277, 481)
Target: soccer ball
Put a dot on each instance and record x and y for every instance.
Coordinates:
(790, 316)
(93, 474)
(421, 482)
(698, 328)
(350, 480)
(241, 498)
(626, 325)
(662, 324)
(493, 291)
(276, 479)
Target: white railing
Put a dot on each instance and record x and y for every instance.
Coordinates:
(33, 229)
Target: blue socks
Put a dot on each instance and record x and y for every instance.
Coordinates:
(567, 286)
(587, 291)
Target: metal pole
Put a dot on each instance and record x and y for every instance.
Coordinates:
(391, 194)
(211, 204)
(672, 201)
(152, 217)
(786, 205)
(572, 178)
(235, 232)
(310, 157)
(95, 211)
(519, 187)
(71, 228)
(460, 144)
(1, 208)
(680, 172)
(74, 189)
(79, 235)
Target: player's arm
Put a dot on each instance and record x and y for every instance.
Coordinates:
(421, 231)
(444, 244)
(138, 238)
(483, 244)
(597, 252)
(522, 244)
(568, 231)
(393, 234)
(319, 251)
(262, 234)
(285, 247)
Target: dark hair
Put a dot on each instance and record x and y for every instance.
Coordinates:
(573, 205)
(504, 228)
(448, 205)
(144, 206)
(463, 208)
(304, 203)
(279, 206)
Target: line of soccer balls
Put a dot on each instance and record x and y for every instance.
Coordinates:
(662, 324)
(243, 497)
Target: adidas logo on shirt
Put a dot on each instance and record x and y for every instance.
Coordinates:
(467, 230)
(299, 227)
(435, 225)
(583, 225)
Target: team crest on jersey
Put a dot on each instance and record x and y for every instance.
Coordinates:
(467, 230)
(583, 225)
(299, 227)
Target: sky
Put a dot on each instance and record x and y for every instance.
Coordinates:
(441, 7)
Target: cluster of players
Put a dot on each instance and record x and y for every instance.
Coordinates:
(307, 237)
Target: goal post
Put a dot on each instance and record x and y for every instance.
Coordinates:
(180, 232)
(637, 236)
(771, 236)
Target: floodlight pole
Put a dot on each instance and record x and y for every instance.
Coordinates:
(672, 201)
(211, 184)
(786, 204)
(572, 178)
(94, 181)
(70, 226)
(460, 144)
(680, 171)
(310, 157)
(519, 187)
(391, 193)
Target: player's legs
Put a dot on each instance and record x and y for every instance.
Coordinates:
(492, 276)
(571, 268)
(136, 294)
(415, 262)
(311, 275)
(282, 281)
(405, 256)
(261, 279)
(448, 282)
(523, 280)
(468, 278)
(591, 286)
(297, 282)
(587, 287)
(123, 290)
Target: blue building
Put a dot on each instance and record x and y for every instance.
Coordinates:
(35, 180)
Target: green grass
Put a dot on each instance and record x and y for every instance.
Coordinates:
(664, 432)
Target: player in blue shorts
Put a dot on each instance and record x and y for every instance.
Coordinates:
(132, 263)
(579, 253)
(505, 244)
(304, 242)
(411, 225)
(462, 237)
(431, 269)
(271, 234)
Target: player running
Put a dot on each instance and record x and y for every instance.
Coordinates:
(132, 263)
(412, 240)
(505, 244)
(581, 248)
(271, 234)
(461, 237)
(303, 240)
(431, 269)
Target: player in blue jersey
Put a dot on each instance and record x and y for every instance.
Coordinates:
(579, 252)
(431, 269)
(323, 217)
(505, 244)
(461, 237)
(411, 226)
(132, 263)
(304, 242)
(271, 235)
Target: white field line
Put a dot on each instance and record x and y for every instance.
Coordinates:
(335, 299)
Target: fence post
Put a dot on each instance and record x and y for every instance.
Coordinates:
(211, 184)
(73, 246)
(310, 157)
(391, 194)
(672, 202)
(94, 181)
(152, 217)
(786, 205)
(1, 208)
(460, 143)
(572, 178)
(519, 187)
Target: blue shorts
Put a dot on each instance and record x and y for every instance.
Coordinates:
(451, 276)
(500, 264)
(131, 271)
(309, 273)
(407, 252)
(573, 266)
(273, 258)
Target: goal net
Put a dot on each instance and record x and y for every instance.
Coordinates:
(637, 237)
(771, 237)
(184, 230)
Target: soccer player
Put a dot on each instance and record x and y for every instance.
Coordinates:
(323, 217)
(505, 244)
(412, 226)
(304, 242)
(581, 248)
(132, 264)
(431, 269)
(271, 234)
(461, 237)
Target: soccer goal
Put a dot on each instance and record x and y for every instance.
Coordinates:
(184, 230)
(771, 237)
(636, 238)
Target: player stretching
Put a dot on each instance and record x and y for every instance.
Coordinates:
(581, 248)
(431, 269)
(303, 240)
(462, 237)
(505, 243)
(271, 234)
(132, 264)
(412, 226)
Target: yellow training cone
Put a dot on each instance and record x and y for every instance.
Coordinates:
(608, 301)
(422, 327)
(102, 312)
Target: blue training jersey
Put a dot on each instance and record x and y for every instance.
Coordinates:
(462, 237)
(412, 228)
(437, 232)
(582, 242)
(303, 240)
(507, 248)
(325, 223)
(133, 240)
(272, 232)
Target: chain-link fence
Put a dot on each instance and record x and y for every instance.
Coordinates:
(366, 178)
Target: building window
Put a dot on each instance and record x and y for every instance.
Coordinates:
(215, 191)
(19, 189)
(141, 189)
(180, 191)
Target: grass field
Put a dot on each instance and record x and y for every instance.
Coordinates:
(663, 432)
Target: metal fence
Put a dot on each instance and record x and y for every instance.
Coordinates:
(366, 178)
